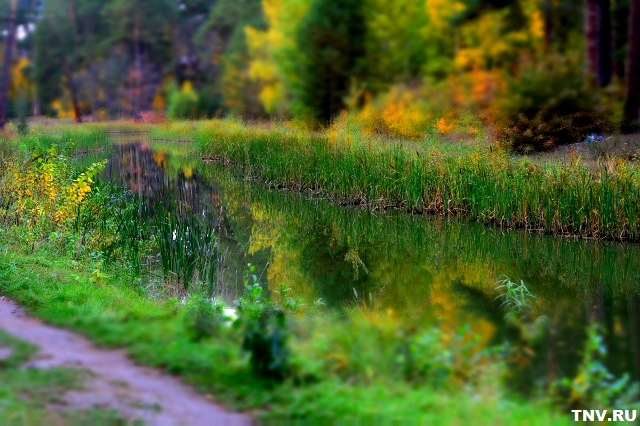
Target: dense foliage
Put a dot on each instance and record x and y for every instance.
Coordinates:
(550, 106)
(316, 60)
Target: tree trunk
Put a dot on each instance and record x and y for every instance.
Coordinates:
(632, 102)
(72, 91)
(6, 70)
(137, 92)
(548, 25)
(599, 41)
(621, 34)
(93, 96)
(36, 102)
(591, 24)
(605, 57)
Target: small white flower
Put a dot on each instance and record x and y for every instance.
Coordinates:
(230, 313)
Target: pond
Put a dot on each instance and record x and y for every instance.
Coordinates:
(423, 270)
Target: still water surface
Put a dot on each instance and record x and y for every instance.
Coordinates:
(419, 269)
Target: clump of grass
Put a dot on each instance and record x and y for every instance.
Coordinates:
(19, 351)
(115, 221)
(266, 327)
(594, 386)
(516, 297)
(205, 315)
(484, 186)
(188, 251)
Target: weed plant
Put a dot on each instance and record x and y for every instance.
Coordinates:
(205, 315)
(594, 386)
(266, 328)
(516, 298)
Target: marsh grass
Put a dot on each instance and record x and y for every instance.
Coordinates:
(395, 235)
(114, 222)
(188, 251)
(423, 176)
(515, 297)
(484, 186)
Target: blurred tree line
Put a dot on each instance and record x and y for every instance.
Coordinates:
(314, 59)
(119, 58)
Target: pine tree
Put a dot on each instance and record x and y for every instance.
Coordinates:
(4, 83)
(632, 103)
(331, 42)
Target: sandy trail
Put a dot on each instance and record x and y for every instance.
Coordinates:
(114, 381)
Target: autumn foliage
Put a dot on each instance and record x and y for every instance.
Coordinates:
(43, 191)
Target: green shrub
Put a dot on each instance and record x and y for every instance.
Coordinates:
(266, 328)
(205, 315)
(594, 386)
(548, 106)
(183, 102)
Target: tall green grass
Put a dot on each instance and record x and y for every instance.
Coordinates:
(188, 251)
(483, 186)
(558, 264)
(117, 219)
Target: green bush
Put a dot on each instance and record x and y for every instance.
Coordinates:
(594, 386)
(182, 103)
(548, 106)
(205, 315)
(266, 328)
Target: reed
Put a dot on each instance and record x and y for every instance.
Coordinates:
(428, 176)
(483, 186)
(410, 239)
(188, 251)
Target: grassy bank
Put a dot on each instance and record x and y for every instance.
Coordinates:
(426, 176)
(357, 367)
(156, 333)
(484, 186)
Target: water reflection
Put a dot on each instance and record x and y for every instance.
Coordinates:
(421, 270)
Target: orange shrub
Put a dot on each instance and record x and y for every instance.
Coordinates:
(401, 112)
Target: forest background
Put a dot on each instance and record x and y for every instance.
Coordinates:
(536, 73)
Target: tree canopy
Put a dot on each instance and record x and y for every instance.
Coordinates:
(309, 59)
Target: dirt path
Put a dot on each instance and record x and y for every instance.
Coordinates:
(113, 380)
